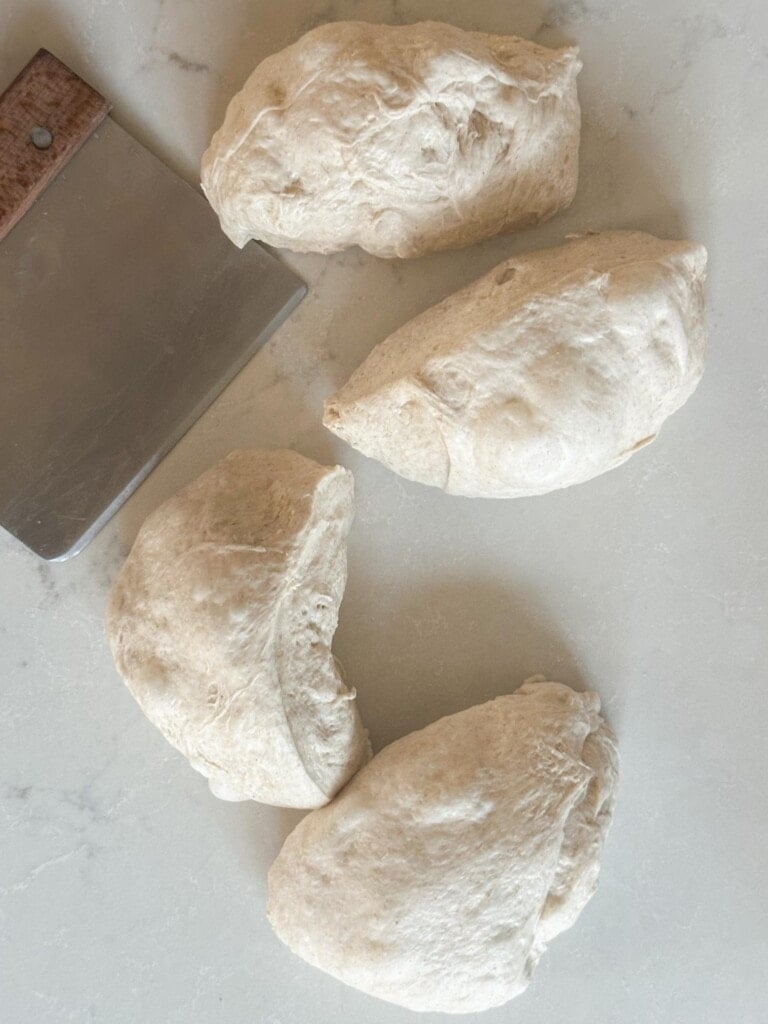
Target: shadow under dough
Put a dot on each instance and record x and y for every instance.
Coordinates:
(445, 646)
(261, 831)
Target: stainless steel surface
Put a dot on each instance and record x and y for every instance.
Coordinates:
(124, 311)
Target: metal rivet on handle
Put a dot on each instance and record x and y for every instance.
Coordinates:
(41, 137)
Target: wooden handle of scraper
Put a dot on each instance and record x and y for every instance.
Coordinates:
(46, 114)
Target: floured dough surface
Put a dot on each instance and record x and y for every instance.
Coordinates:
(221, 623)
(438, 875)
(551, 369)
(400, 139)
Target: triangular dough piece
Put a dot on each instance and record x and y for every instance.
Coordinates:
(551, 369)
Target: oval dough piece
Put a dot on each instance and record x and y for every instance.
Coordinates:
(401, 140)
(551, 369)
(438, 875)
(221, 623)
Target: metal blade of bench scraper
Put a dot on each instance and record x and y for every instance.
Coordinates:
(124, 311)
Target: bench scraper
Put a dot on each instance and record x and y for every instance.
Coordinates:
(124, 309)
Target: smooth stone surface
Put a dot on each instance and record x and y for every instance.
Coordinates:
(128, 893)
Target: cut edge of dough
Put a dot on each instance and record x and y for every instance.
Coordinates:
(328, 773)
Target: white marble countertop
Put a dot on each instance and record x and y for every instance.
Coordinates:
(128, 893)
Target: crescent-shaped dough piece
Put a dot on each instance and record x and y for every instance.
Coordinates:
(437, 876)
(401, 140)
(551, 369)
(221, 623)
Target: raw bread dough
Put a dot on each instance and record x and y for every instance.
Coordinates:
(438, 875)
(398, 139)
(553, 368)
(221, 623)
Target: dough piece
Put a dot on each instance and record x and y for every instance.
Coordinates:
(221, 623)
(438, 875)
(401, 140)
(553, 368)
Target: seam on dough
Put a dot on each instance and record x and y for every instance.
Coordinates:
(263, 112)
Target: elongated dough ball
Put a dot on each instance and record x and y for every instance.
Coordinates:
(551, 369)
(438, 875)
(221, 623)
(401, 140)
